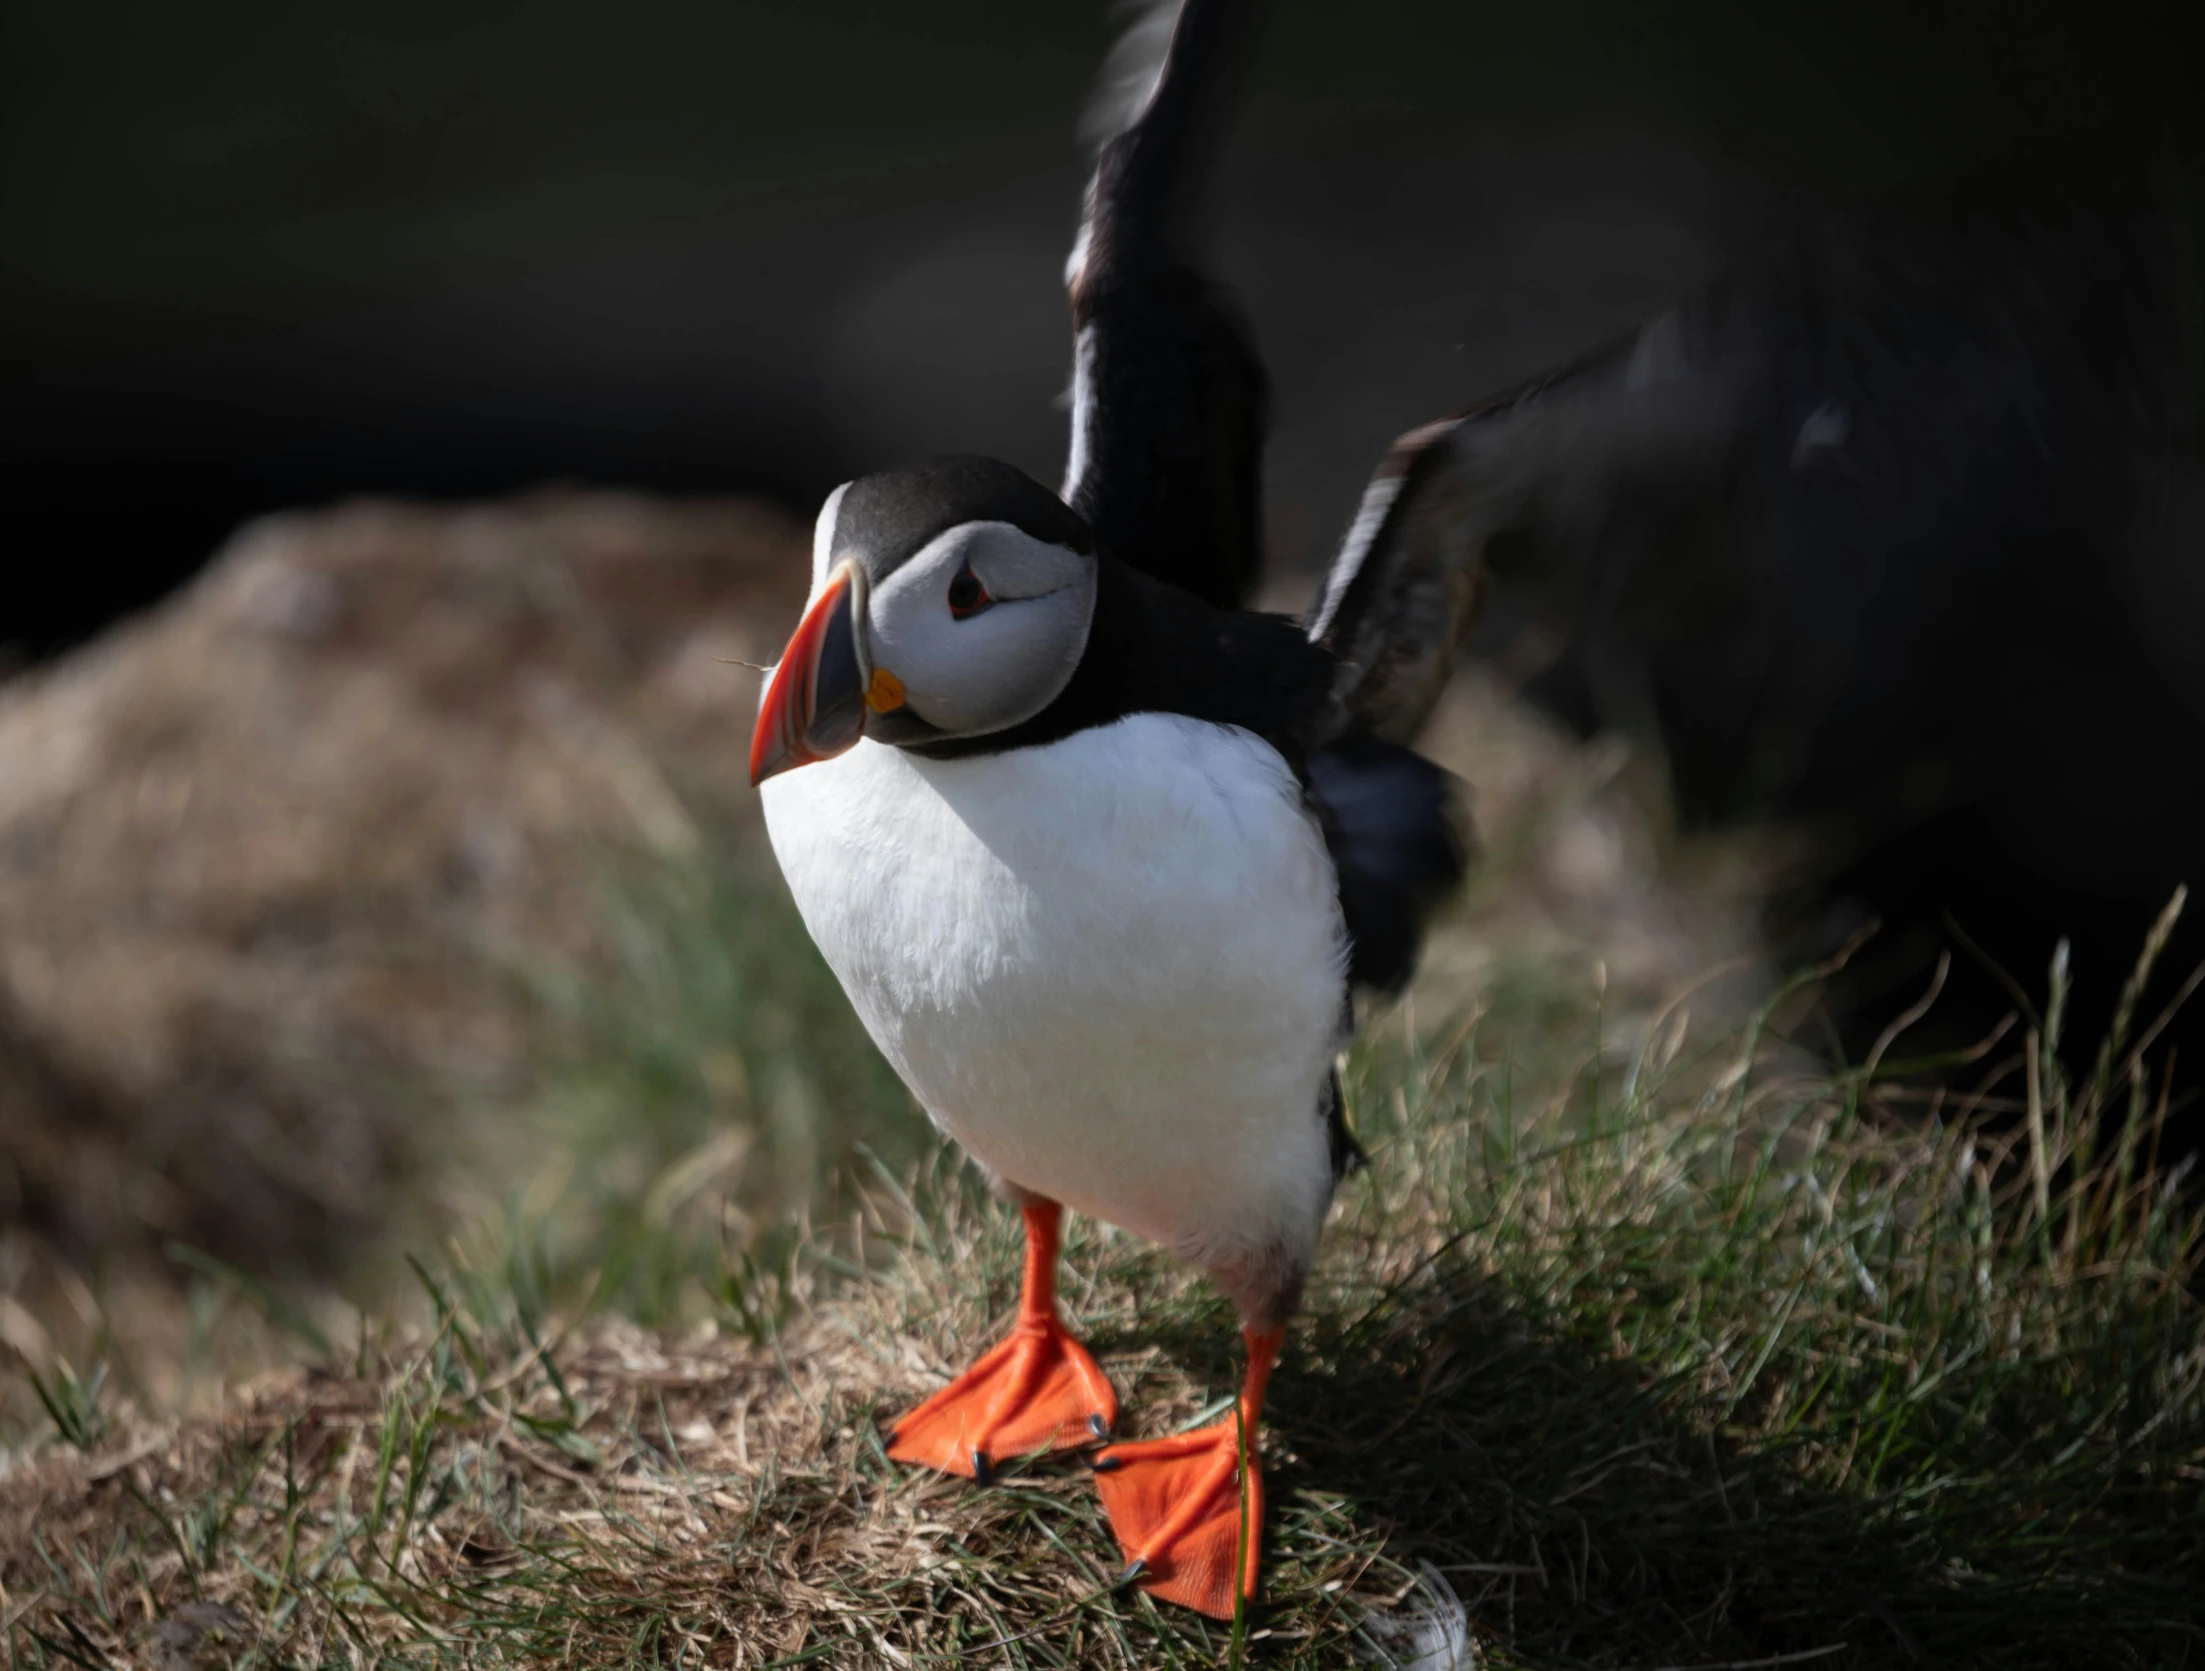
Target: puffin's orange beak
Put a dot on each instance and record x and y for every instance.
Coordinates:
(816, 703)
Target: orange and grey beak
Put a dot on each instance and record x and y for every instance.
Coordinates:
(816, 705)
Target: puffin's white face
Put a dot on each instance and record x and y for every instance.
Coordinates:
(982, 626)
(976, 630)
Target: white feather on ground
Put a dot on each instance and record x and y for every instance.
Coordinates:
(1429, 1632)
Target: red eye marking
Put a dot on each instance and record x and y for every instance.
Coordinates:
(966, 595)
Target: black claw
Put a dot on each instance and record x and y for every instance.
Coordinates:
(1097, 1426)
(1103, 1464)
(982, 1470)
(1134, 1569)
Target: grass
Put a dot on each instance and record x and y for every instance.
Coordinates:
(697, 1082)
(1650, 1344)
(698, 1093)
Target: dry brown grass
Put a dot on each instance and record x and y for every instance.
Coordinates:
(490, 1490)
(1663, 1357)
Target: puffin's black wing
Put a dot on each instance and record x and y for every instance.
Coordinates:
(1405, 587)
(1402, 596)
(1169, 399)
(1412, 573)
(1653, 418)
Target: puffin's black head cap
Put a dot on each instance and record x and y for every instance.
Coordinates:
(949, 600)
(882, 519)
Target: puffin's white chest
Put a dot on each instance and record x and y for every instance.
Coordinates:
(1110, 966)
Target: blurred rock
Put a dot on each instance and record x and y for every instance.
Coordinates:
(271, 856)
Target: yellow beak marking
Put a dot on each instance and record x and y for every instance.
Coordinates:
(885, 694)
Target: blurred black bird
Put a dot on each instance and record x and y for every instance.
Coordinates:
(1899, 534)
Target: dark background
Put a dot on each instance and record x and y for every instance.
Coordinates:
(255, 254)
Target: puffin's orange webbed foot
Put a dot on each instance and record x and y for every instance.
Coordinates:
(1175, 1504)
(1036, 1389)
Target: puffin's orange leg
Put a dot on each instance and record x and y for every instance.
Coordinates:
(1176, 1503)
(1036, 1389)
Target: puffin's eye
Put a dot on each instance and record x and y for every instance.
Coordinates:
(966, 595)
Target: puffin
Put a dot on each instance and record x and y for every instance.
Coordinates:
(1101, 856)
